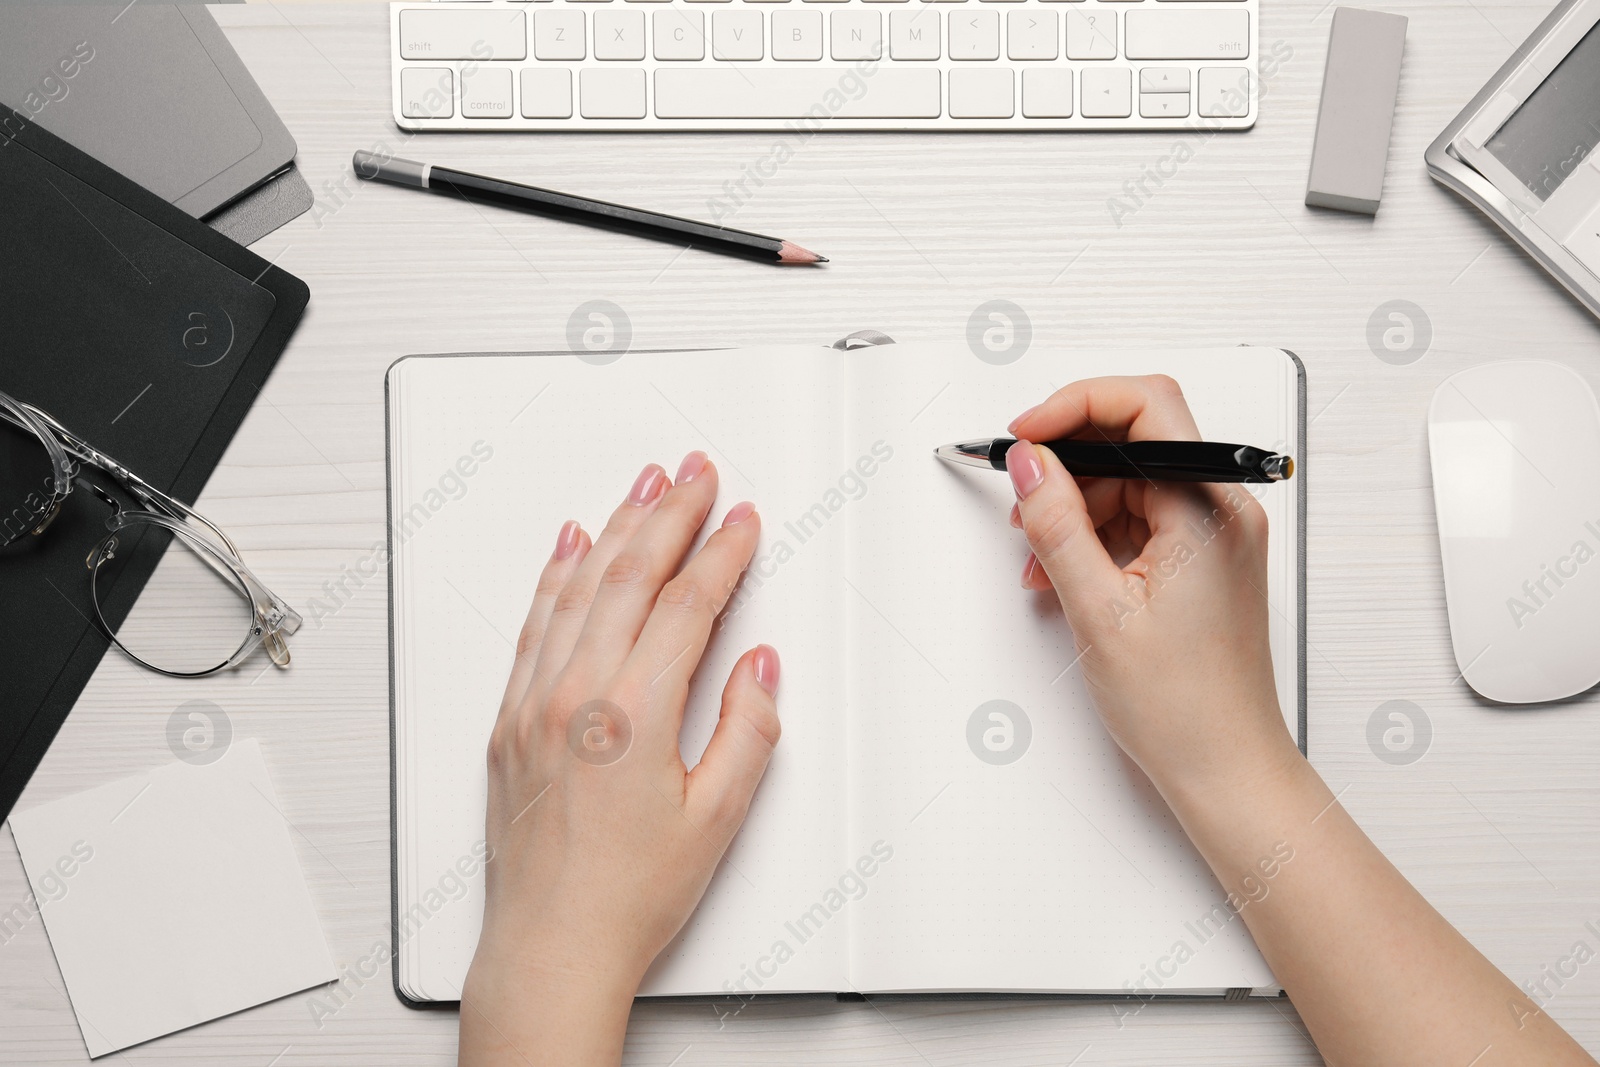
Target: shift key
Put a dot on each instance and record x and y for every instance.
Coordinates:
(1185, 34)
(457, 34)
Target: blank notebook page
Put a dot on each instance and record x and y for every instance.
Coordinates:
(1063, 870)
(567, 440)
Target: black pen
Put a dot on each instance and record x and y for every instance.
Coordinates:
(590, 212)
(1171, 461)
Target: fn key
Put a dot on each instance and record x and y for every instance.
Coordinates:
(427, 92)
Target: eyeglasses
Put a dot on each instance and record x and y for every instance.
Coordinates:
(201, 612)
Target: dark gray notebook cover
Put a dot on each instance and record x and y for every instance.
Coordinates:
(100, 285)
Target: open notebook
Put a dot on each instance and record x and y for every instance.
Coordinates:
(912, 834)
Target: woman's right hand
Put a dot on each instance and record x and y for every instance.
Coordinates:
(1163, 583)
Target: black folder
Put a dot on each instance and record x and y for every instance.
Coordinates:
(148, 334)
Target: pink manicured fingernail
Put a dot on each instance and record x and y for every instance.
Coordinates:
(690, 468)
(767, 669)
(1016, 516)
(739, 512)
(1029, 569)
(651, 481)
(1026, 470)
(1012, 427)
(567, 539)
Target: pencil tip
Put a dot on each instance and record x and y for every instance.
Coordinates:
(793, 253)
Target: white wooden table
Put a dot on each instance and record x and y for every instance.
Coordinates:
(1497, 823)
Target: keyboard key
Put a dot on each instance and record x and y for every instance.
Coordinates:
(981, 93)
(795, 92)
(797, 35)
(1188, 34)
(1224, 92)
(1164, 80)
(558, 33)
(486, 93)
(914, 34)
(975, 35)
(736, 35)
(488, 34)
(619, 34)
(611, 93)
(427, 92)
(1107, 93)
(1047, 93)
(1164, 105)
(1032, 34)
(1091, 34)
(679, 34)
(546, 93)
(856, 35)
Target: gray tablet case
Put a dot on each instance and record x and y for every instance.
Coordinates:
(156, 92)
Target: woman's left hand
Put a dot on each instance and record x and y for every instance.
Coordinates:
(602, 841)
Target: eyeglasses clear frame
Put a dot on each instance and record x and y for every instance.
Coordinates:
(271, 619)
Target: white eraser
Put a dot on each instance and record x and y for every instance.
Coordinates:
(1359, 85)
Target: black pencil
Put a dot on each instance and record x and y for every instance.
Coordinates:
(600, 213)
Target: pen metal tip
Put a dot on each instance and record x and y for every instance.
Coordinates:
(1278, 468)
(967, 453)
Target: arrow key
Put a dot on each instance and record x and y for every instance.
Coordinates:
(1164, 80)
(1164, 105)
(1107, 93)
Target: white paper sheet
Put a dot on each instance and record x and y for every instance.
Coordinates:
(172, 898)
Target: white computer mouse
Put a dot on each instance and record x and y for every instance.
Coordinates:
(1515, 448)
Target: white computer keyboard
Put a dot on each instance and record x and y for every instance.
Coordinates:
(804, 65)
